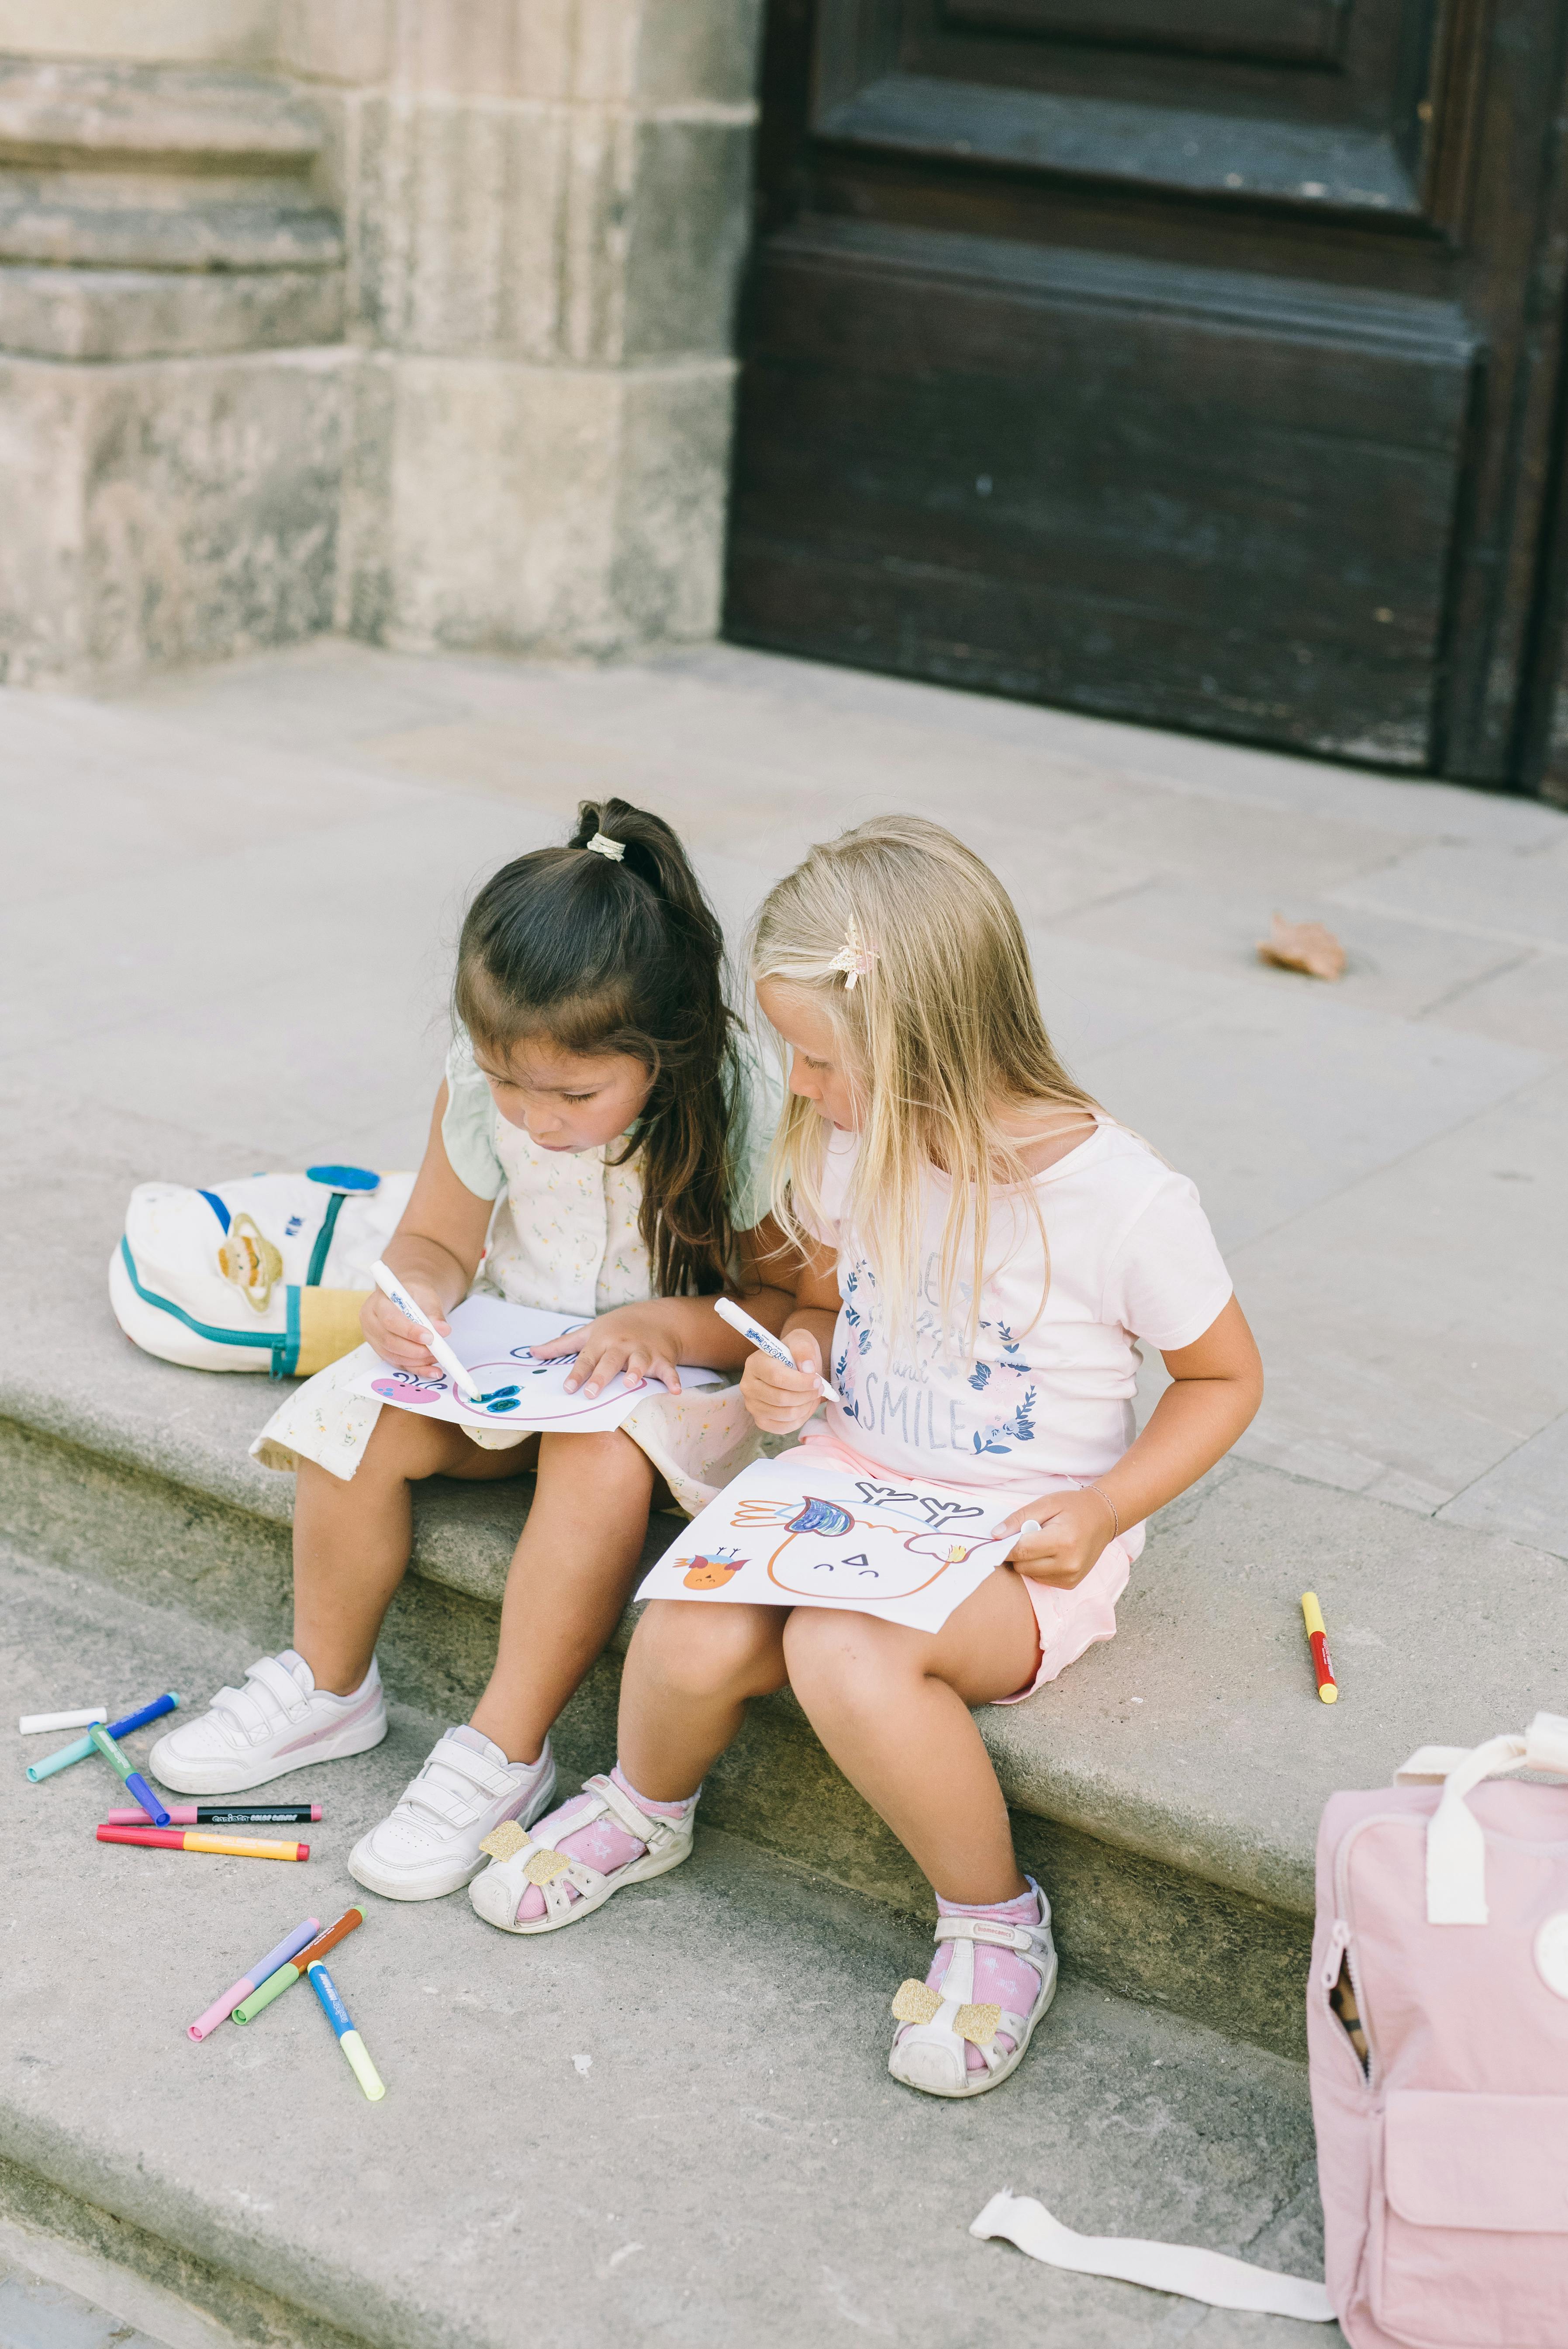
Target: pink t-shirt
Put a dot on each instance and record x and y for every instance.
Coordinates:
(1132, 1258)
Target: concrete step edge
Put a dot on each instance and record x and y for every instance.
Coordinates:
(463, 1541)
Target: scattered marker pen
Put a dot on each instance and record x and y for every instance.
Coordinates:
(33, 1724)
(135, 1783)
(391, 1286)
(764, 1340)
(1318, 1640)
(84, 1747)
(348, 2039)
(222, 2008)
(225, 1814)
(187, 1839)
(288, 1974)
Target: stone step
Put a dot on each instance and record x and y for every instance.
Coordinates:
(672, 2122)
(1166, 1789)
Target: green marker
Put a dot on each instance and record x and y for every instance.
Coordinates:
(135, 1783)
(287, 1975)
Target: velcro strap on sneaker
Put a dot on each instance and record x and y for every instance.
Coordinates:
(503, 1841)
(279, 1682)
(985, 1929)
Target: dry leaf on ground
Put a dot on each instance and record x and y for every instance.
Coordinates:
(1303, 946)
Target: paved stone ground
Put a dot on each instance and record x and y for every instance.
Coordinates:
(229, 903)
(228, 914)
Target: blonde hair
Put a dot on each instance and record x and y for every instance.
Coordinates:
(940, 1037)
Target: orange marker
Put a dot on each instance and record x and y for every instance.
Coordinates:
(183, 1839)
(1318, 1640)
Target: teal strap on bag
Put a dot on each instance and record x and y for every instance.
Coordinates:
(284, 1369)
(324, 1240)
(283, 1347)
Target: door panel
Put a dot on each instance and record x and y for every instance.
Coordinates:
(1191, 361)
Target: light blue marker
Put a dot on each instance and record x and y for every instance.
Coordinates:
(348, 2039)
(84, 1745)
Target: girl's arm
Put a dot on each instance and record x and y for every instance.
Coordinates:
(780, 1401)
(1217, 1384)
(647, 1342)
(435, 1253)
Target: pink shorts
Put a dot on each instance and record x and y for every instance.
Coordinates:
(1068, 1620)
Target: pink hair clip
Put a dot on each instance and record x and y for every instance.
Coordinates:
(853, 959)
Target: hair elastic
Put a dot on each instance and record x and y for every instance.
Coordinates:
(853, 959)
(603, 845)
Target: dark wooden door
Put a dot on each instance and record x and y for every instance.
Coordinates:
(1186, 360)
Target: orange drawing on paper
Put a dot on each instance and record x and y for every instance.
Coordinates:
(818, 1524)
(713, 1573)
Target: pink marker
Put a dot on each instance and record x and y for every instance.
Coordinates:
(223, 1815)
(222, 2008)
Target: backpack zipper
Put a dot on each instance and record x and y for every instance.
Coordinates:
(1342, 1942)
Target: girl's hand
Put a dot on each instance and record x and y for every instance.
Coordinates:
(398, 1339)
(635, 1340)
(1074, 1528)
(780, 1401)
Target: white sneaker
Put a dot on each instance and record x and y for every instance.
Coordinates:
(430, 1844)
(280, 1721)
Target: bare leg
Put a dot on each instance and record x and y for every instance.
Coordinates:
(892, 1707)
(689, 1672)
(570, 1578)
(351, 1541)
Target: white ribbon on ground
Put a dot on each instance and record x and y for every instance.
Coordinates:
(1207, 2276)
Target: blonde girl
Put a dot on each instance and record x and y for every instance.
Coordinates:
(984, 1249)
(597, 1149)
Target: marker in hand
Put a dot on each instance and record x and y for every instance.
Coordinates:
(392, 1287)
(764, 1339)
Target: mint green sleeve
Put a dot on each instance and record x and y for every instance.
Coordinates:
(759, 1102)
(467, 1129)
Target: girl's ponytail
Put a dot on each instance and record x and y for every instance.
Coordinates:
(607, 954)
(656, 855)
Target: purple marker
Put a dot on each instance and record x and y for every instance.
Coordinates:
(222, 2008)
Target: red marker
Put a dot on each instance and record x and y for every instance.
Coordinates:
(182, 1839)
(1318, 1640)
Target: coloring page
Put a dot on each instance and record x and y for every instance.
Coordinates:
(787, 1532)
(494, 1341)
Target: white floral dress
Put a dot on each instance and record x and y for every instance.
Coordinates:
(564, 1239)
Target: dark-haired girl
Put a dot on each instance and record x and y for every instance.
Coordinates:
(598, 1148)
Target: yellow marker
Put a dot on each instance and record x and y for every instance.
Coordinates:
(1318, 1640)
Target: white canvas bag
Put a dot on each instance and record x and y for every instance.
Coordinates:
(268, 1272)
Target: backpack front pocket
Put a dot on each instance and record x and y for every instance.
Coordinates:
(1474, 2249)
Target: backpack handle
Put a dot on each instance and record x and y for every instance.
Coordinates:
(1456, 1845)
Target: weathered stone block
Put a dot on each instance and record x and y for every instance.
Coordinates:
(586, 52)
(546, 231)
(347, 41)
(124, 313)
(165, 510)
(528, 509)
(689, 226)
(196, 32)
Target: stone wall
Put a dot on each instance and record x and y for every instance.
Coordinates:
(422, 331)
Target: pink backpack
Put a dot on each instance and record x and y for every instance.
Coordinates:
(1442, 1921)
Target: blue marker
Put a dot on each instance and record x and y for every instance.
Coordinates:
(135, 1783)
(348, 2039)
(84, 1745)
